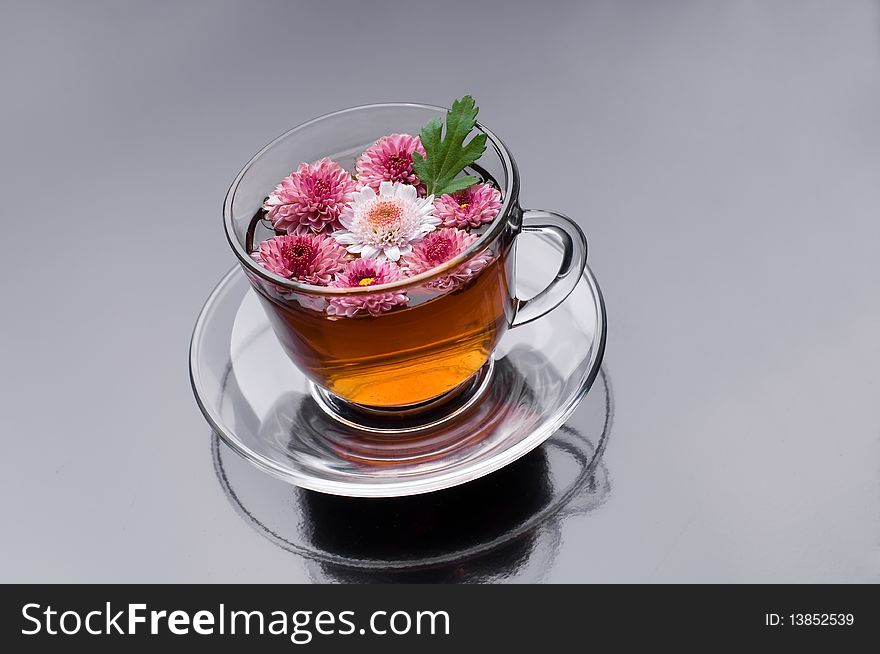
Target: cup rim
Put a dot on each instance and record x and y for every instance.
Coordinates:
(511, 190)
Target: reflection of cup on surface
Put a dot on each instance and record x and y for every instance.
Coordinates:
(405, 532)
(450, 324)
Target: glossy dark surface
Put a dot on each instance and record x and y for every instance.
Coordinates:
(723, 159)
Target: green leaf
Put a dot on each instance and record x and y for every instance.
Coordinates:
(460, 183)
(447, 154)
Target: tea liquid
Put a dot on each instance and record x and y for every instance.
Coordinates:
(407, 355)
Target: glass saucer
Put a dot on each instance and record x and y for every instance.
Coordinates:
(261, 405)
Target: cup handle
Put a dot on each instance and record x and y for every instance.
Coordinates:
(574, 259)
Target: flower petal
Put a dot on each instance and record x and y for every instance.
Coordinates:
(366, 193)
(407, 192)
(344, 237)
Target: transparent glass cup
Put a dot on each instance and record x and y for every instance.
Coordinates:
(433, 353)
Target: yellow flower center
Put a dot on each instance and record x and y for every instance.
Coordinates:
(384, 213)
(464, 205)
(366, 281)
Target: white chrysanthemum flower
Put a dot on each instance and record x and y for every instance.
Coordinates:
(385, 226)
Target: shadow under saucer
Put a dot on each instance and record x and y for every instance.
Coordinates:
(501, 527)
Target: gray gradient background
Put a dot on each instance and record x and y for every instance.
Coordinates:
(723, 159)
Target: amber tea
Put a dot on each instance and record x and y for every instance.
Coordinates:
(406, 356)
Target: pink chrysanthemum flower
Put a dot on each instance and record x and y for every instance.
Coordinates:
(308, 258)
(366, 272)
(470, 207)
(390, 160)
(385, 226)
(310, 199)
(439, 247)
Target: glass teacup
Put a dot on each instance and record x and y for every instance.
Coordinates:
(435, 349)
